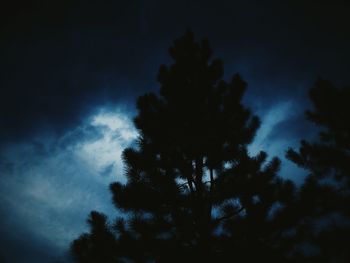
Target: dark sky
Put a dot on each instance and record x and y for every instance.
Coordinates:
(72, 70)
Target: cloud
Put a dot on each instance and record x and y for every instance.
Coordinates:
(275, 115)
(278, 132)
(48, 186)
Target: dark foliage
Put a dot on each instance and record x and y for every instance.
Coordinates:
(323, 205)
(193, 192)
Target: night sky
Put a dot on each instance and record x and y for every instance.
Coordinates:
(71, 72)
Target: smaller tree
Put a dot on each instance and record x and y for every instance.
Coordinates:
(324, 200)
(99, 245)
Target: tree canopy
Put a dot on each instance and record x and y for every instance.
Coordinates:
(195, 194)
(324, 198)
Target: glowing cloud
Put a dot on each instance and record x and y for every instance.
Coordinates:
(48, 187)
(274, 116)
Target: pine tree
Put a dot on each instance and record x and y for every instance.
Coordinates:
(324, 199)
(193, 192)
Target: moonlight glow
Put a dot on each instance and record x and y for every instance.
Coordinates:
(85, 160)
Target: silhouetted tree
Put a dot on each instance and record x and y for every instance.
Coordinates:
(323, 204)
(193, 192)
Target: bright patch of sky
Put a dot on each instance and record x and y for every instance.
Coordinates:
(105, 153)
(269, 121)
(48, 186)
(276, 146)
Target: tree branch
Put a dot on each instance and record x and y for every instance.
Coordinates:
(218, 220)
